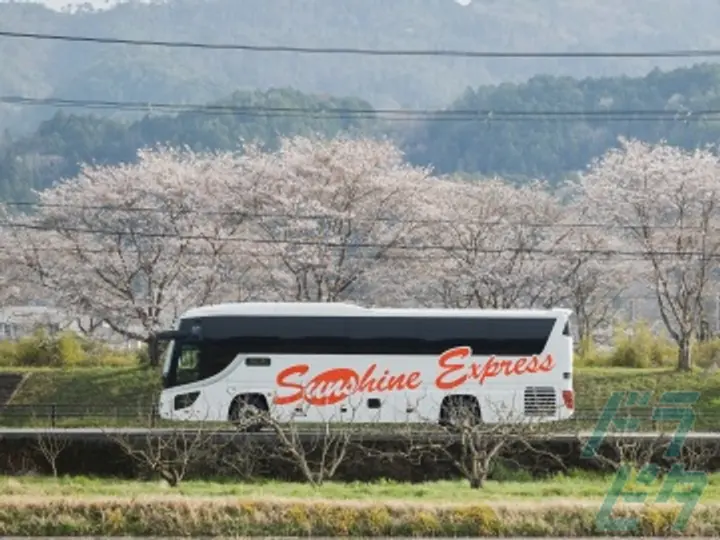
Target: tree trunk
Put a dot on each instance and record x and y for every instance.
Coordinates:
(476, 482)
(684, 360)
(478, 475)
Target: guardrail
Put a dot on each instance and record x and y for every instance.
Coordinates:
(310, 434)
(55, 414)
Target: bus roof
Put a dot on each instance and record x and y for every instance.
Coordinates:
(336, 309)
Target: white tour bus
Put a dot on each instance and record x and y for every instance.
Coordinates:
(330, 362)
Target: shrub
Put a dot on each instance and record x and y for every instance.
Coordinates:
(8, 353)
(588, 355)
(633, 347)
(640, 348)
(69, 350)
(62, 350)
(36, 351)
(706, 353)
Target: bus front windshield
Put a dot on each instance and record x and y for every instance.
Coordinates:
(190, 362)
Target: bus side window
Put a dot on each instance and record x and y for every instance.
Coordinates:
(257, 361)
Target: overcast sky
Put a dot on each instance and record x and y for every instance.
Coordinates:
(58, 4)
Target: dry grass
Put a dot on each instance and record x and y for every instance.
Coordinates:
(35, 506)
(170, 516)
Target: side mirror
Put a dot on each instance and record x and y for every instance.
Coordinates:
(153, 342)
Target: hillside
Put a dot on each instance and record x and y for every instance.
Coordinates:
(56, 148)
(512, 148)
(551, 147)
(82, 70)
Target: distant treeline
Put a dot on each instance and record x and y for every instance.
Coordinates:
(539, 147)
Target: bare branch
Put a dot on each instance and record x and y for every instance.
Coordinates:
(173, 452)
(317, 450)
(51, 445)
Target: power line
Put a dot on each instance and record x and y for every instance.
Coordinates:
(59, 102)
(205, 253)
(434, 115)
(244, 215)
(428, 255)
(407, 256)
(388, 246)
(699, 53)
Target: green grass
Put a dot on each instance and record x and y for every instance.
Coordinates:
(109, 396)
(102, 395)
(580, 485)
(593, 386)
(112, 387)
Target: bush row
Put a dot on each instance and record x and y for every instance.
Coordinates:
(638, 346)
(208, 517)
(62, 350)
(361, 462)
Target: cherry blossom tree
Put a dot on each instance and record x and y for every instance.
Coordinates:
(338, 213)
(349, 220)
(136, 244)
(16, 285)
(594, 277)
(663, 201)
(598, 281)
(496, 245)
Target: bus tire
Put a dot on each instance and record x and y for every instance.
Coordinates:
(245, 405)
(457, 410)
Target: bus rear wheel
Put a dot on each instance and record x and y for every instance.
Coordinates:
(460, 411)
(247, 410)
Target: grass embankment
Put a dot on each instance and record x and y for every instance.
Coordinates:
(104, 386)
(116, 396)
(561, 507)
(593, 387)
(98, 396)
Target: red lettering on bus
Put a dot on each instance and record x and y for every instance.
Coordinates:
(458, 372)
(445, 381)
(300, 369)
(335, 385)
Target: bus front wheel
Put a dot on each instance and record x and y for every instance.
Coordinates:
(247, 410)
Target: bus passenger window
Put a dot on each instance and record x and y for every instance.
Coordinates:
(257, 361)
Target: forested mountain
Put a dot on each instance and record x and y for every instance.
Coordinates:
(115, 72)
(62, 142)
(547, 146)
(538, 147)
